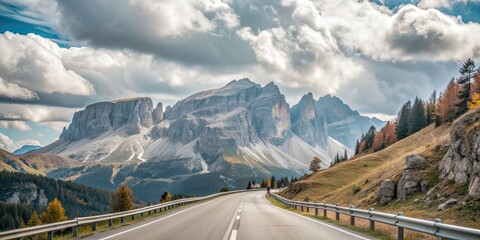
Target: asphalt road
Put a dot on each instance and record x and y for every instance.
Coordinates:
(241, 216)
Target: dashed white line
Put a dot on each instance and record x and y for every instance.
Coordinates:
(234, 235)
(225, 237)
(238, 217)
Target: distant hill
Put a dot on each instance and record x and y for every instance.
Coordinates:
(33, 164)
(25, 148)
(21, 194)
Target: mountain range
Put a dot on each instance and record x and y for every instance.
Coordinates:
(215, 138)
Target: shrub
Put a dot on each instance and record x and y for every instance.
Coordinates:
(356, 189)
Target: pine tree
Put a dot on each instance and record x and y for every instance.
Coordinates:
(357, 145)
(467, 71)
(369, 137)
(54, 212)
(432, 102)
(249, 185)
(272, 182)
(122, 200)
(402, 125)
(345, 155)
(417, 119)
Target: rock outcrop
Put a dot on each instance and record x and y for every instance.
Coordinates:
(386, 192)
(102, 117)
(307, 123)
(411, 181)
(25, 193)
(461, 163)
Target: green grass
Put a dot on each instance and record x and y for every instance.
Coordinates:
(375, 234)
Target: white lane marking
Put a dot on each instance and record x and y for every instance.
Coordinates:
(321, 223)
(239, 210)
(238, 217)
(152, 222)
(234, 235)
(225, 237)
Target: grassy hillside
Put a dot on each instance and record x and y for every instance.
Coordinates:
(335, 184)
(357, 181)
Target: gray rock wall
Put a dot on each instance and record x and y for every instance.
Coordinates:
(461, 163)
(101, 117)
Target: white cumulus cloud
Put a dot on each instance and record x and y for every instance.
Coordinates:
(19, 125)
(9, 145)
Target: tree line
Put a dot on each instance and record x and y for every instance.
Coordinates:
(79, 200)
(460, 95)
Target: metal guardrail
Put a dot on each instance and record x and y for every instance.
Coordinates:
(74, 224)
(435, 228)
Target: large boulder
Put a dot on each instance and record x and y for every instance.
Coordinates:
(386, 192)
(411, 181)
(416, 162)
(461, 163)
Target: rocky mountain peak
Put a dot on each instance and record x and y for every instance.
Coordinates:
(308, 123)
(98, 118)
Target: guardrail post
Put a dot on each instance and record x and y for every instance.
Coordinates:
(438, 220)
(316, 211)
(94, 226)
(372, 222)
(337, 214)
(110, 222)
(301, 208)
(122, 220)
(352, 218)
(75, 231)
(325, 210)
(133, 217)
(400, 229)
(141, 214)
(50, 235)
(308, 209)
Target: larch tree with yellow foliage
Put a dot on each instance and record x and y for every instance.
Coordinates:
(122, 200)
(475, 102)
(54, 213)
(268, 183)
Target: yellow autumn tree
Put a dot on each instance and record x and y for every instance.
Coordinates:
(475, 102)
(54, 212)
(166, 197)
(34, 220)
(268, 183)
(122, 201)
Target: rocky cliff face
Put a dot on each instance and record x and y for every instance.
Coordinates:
(307, 123)
(102, 117)
(344, 124)
(24, 193)
(461, 163)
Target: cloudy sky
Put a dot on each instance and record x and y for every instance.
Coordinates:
(59, 56)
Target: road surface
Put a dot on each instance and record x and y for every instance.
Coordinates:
(240, 216)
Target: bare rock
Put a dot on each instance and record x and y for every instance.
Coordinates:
(448, 203)
(416, 162)
(461, 163)
(386, 192)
